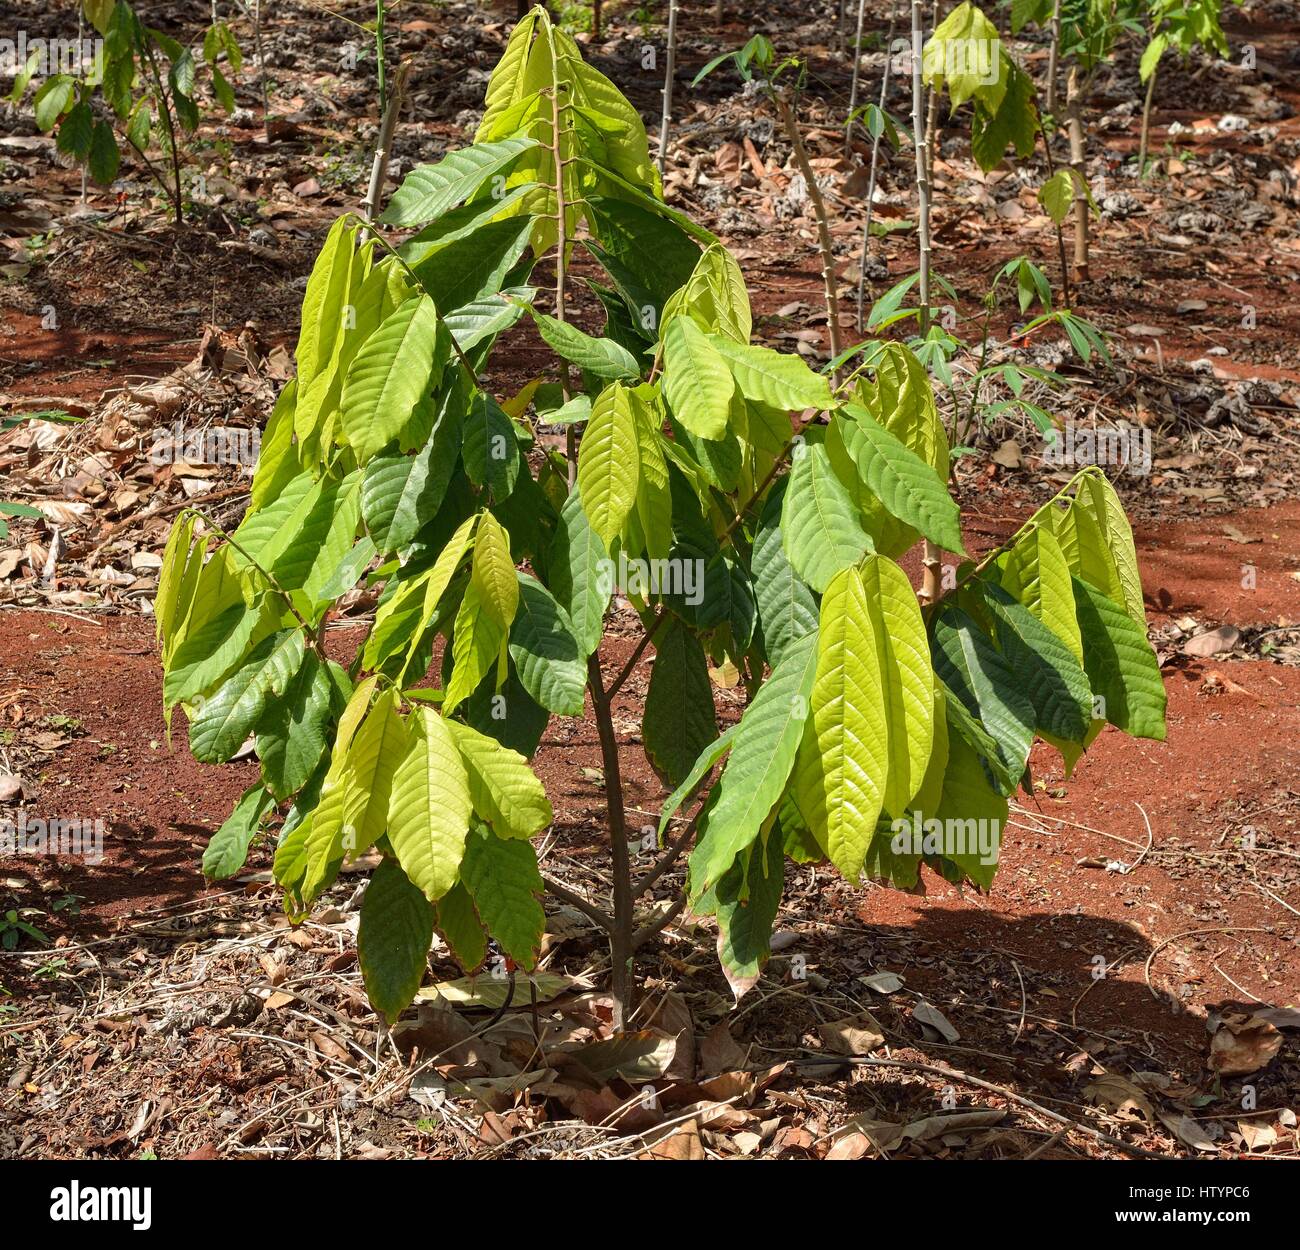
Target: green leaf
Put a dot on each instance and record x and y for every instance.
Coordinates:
(746, 903)
(473, 268)
(842, 769)
(1035, 572)
(54, 98)
(545, 652)
(771, 377)
(1047, 672)
(375, 753)
(787, 608)
(401, 494)
(428, 191)
(75, 133)
(393, 939)
(227, 849)
(1121, 667)
(395, 368)
(819, 524)
(1056, 195)
(980, 678)
(493, 572)
(1098, 496)
(504, 790)
(762, 755)
(908, 487)
(602, 358)
(502, 877)
(429, 810)
(577, 563)
(223, 721)
(460, 927)
(679, 720)
(212, 650)
(609, 461)
(715, 296)
(697, 382)
(492, 455)
(291, 734)
(104, 157)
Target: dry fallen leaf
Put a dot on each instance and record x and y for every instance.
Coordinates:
(858, 1035)
(1120, 1095)
(1243, 1044)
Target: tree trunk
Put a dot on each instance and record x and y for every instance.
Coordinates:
(1146, 123)
(666, 118)
(1078, 162)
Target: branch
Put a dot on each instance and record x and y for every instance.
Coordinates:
(601, 919)
(646, 932)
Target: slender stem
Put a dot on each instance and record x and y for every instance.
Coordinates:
(857, 68)
(666, 861)
(825, 246)
(384, 147)
(646, 932)
(1053, 54)
(561, 246)
(1146, 123)
(1078, 162)
(164, 107)
(620, 937)
(871, 180)
(1060, 236)
(666, 117)
(598, 916)
(921, 146)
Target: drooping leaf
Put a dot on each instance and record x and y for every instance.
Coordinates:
(771, 377)
(1121, 667)
(697, 382)
(787, 609)
(979, 677)
(908, 487)
(503, 879)
(679, 720)
(393, 939)
(227, 849)
(546, 654)
(504, 790)
(429, 808)
(762, 755)
(819, 524)
(609, 461)
(746, 900)
(395, 368)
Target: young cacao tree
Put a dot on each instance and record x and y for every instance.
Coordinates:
(1181, 25)
(149, 87)
(774, 504)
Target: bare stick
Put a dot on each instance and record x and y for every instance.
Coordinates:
(383, 149)
(666, 117)
(819, 210)
(871, 181)
(921, 146)
(857, 66)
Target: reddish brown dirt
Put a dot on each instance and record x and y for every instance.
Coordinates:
(1230, 763)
